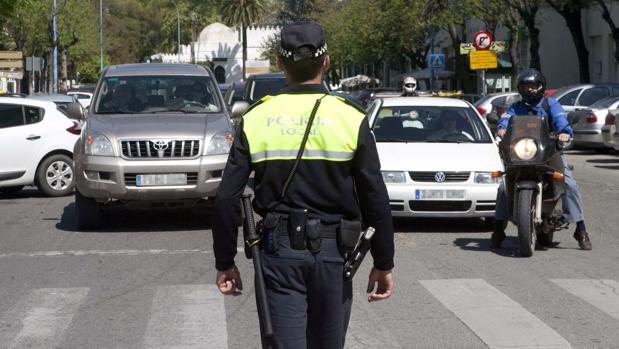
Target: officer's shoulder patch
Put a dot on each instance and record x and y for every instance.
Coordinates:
(354, 105)
(259, 102)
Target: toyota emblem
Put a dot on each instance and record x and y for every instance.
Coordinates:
(160, 145)
(439, 177)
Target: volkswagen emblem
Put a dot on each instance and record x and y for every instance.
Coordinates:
(160, 145)
(439, 177)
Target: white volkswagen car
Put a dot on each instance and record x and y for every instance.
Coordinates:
(37, 146)
(438, 158)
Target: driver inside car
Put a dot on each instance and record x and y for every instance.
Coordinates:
(449, 128)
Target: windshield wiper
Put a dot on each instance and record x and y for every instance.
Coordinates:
(392, 140)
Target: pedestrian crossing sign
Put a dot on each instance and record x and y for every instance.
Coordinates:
(437, 60)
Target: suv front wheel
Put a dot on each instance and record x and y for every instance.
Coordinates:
(87, 212)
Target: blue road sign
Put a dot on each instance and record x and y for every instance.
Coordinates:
(437, 60)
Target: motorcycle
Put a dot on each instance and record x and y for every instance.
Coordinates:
(533, 181)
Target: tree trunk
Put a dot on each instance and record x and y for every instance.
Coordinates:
(529, 21)
(244, 30)
(514, 55)
(572, 17)
(613, 28)
(194, 35)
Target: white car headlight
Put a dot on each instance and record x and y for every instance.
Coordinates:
(220, 143)
(485, 178)
(98, 145)
(394, 177)
(525, 149)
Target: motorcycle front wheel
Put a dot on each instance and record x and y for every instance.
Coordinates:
(525, 222)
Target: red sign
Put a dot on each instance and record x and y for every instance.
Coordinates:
(482, 40)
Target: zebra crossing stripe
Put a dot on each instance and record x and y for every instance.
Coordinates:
(602, 294)
(40, 318)
(187, 316)
(496, 319)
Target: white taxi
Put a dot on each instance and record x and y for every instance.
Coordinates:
(438, 158)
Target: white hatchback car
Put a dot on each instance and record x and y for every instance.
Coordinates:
(37, 141)
(438, 157)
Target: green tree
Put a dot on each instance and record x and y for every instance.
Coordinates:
(242, 13)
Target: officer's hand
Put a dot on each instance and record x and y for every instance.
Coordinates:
(564, 137)
(501, 132)
(383, 280)
(229, 281)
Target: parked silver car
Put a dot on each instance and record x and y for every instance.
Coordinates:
(583, 95)
(155, 132)
(588, 131)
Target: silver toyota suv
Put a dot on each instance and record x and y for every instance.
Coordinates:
(154, 133)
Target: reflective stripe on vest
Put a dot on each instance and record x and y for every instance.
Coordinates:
(275, 128)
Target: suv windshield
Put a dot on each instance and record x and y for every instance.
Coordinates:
(152, 94)
(429, 124)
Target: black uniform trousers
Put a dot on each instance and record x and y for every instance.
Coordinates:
(308, 297)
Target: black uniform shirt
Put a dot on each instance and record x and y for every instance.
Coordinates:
(327, 189)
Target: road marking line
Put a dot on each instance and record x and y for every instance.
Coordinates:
(40, 319)
(366, 333)
(496, 319)
(79, 253)
(602, 294)
(187, 316)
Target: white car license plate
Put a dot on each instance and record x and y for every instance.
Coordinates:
(439, 194)
(161, 179)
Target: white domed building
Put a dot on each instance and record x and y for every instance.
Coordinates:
(221, 45)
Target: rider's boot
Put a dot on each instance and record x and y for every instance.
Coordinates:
(582, 237)
(498, 235)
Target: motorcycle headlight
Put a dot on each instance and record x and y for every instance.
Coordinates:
(220, 143)
(525, 149)
(485, 178)
(98, 145)
(394, 177)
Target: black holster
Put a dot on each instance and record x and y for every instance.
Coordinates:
(348, 235)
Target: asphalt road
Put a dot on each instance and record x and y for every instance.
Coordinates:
(146, 279)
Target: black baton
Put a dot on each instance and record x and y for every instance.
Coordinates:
(251, 242)
(354, 259)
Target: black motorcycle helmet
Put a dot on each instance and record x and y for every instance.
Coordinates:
(531, 85)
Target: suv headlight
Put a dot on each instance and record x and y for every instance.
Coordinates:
(394, 177)
(525, 149)
(485, 178)
(97, 145)
(220, 143)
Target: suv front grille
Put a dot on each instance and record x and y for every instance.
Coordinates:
(430, 176)
(156, 149)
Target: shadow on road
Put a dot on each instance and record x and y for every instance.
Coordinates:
(118, 219)
(508, 249)
(441, 225)
(25, 193)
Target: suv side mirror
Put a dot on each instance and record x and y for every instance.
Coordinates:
(238, 108)
(75, 111)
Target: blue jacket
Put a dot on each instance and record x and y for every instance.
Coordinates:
(558, 116)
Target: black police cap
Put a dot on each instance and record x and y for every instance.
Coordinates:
(308, 35)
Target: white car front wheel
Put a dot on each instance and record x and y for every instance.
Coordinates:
(55, 175)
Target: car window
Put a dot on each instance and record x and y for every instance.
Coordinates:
(148, 94)
(592, 95)
(498, 101)
(264, 87)
(11, 115)
(429, 124)
(605, 103)
(569, 98)
(615, 91)
(82, 96)
(511, 99)
(33, 114)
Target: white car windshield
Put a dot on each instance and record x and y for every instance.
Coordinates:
(153, 94)
(429, 124)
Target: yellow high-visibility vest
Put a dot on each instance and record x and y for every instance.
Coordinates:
(275, 126)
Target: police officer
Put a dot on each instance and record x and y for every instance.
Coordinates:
(337, 181)
(532, 86)
(409, 87)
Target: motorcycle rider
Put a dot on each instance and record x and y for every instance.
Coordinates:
(532, 86)
(409, 87)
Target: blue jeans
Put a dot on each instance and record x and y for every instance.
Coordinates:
(572, 201)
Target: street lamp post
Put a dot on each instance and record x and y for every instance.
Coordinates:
(55, 54)
(101, 35)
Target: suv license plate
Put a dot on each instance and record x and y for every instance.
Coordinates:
(439, 194)
(161, 179)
